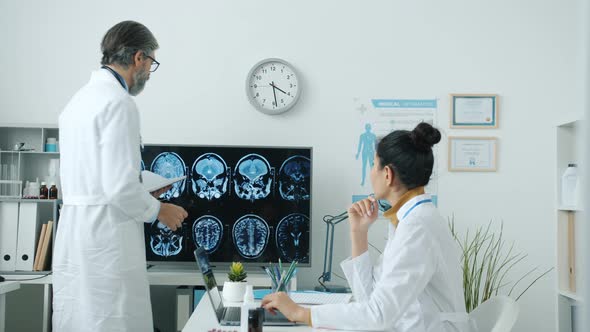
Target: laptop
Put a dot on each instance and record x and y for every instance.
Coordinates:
(229, 315)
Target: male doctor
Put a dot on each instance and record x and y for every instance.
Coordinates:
(99, 268)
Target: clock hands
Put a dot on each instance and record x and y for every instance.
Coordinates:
(276, 87)
(274, 93)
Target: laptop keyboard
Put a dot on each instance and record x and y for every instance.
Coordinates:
(232, 314)
(268, 317)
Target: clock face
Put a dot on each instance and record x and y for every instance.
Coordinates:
(272, 86)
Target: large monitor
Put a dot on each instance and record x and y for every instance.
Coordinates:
(244, 203)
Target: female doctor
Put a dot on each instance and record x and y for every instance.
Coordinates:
(417, 283)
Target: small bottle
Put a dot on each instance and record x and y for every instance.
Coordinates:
(246, 306)
(569, 186)
(43, 192)
(53, 191)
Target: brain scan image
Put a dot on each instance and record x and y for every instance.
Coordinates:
(292, 238)
(170, 165)
(253, 177)
(250, 235)
(207, 233)
(163, 241)
(210, 176)
(295, 179)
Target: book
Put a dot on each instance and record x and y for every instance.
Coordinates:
(39, 247)
(152, 181)
(46, 246)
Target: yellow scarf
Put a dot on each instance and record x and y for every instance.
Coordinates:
(392, 213)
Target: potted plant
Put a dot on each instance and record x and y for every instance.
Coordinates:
(234, 289)
(486, 261)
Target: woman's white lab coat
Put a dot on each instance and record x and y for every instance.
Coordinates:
(99, 267)
(416, 285)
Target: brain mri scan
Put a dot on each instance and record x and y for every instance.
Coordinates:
(295, 179)
(253, 177)
(250, 235)
(170, 165)
(163, 241)
(292, 238)
(207, 233)
(210, 176)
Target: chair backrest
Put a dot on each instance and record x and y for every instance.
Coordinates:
(497, 314)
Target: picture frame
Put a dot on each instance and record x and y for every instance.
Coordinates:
(473, 154)
(477, 111)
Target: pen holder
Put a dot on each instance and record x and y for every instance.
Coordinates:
(282, 288)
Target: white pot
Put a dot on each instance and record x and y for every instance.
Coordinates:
(234, 291)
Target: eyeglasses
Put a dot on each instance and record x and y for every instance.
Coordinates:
(155, 64)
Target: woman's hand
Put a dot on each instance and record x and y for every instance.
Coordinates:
(362, 214)
(282, 302)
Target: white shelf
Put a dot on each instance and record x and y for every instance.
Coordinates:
(571, 296)
(569, 208)
(31, 200)
(30, 152)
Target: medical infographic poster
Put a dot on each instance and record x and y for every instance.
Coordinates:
(375, 119)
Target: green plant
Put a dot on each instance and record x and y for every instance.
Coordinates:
(486, 261)
(237, 272)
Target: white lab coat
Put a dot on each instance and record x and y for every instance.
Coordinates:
(416, 285)
(99, 267)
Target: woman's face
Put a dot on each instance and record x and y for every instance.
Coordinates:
(378, 180)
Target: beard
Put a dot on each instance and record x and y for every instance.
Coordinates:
(139, 79)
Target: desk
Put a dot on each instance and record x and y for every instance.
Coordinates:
(5, 287)
(203, 319)
(157, 276)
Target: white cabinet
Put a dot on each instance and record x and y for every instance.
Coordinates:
(568, 229)
(21, 219)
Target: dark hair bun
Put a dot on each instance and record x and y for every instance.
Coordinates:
(424, 136)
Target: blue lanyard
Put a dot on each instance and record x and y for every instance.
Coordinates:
(117, 76)
(417, 203)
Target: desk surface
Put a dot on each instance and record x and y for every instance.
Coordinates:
(9, 286)
(163, 276)
(203, 319)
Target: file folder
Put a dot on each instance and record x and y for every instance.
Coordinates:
(8, 233)
(28, 234)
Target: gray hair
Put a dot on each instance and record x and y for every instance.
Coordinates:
(123, 40)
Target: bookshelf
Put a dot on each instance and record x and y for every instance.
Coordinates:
(568, 229)
(21, 219)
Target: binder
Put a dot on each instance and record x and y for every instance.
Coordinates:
(28, 232)
(39, 247)
(8, 232)
(43, 261)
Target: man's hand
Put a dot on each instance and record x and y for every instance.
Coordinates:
(282, 302)
(160, 191)
(172, 215)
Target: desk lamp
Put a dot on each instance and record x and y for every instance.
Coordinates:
(331, 222)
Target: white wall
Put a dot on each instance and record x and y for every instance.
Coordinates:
(527, 51)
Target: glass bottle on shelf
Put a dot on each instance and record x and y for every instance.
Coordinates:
(53, 191)
(43, 192)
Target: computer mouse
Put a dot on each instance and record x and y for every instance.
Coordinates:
(1, 278)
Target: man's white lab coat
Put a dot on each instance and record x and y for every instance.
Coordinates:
(99, 267)
(416, 286)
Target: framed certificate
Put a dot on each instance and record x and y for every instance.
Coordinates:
(472, 154)
(474, 111)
